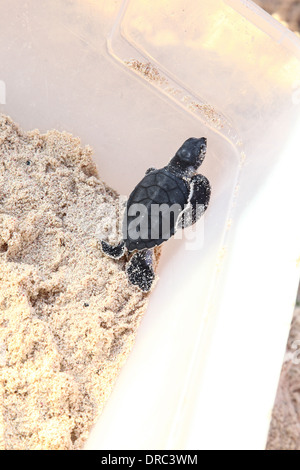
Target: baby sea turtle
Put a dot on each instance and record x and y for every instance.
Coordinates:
(166, 200)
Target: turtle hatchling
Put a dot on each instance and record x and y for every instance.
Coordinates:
(164, 201)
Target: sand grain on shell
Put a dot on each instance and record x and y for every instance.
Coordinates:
(68, 316)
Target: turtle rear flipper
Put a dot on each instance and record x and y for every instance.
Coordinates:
(115, 252)
(140, 271)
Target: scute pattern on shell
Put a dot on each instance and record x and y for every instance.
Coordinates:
(158, 187)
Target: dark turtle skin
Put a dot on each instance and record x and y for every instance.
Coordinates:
(156, 188)
(160, 200)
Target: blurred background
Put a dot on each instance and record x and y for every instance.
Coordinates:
(285, 10)
(284, 432)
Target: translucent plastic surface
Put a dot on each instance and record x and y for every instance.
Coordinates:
(134, 79)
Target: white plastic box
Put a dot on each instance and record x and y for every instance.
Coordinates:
(134, 79)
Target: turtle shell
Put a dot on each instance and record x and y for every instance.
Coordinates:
(153, 209)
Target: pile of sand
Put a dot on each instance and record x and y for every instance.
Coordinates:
(68, 316)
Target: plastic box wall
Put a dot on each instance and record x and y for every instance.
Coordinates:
(205, 367)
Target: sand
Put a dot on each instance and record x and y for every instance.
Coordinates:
(285, 10)
(68, 316)
(284, 432)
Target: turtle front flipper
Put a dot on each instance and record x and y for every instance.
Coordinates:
(140, 270)
(115, 252)
(150, 170)
(198, 201)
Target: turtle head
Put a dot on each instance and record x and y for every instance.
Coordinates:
(189, 157)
